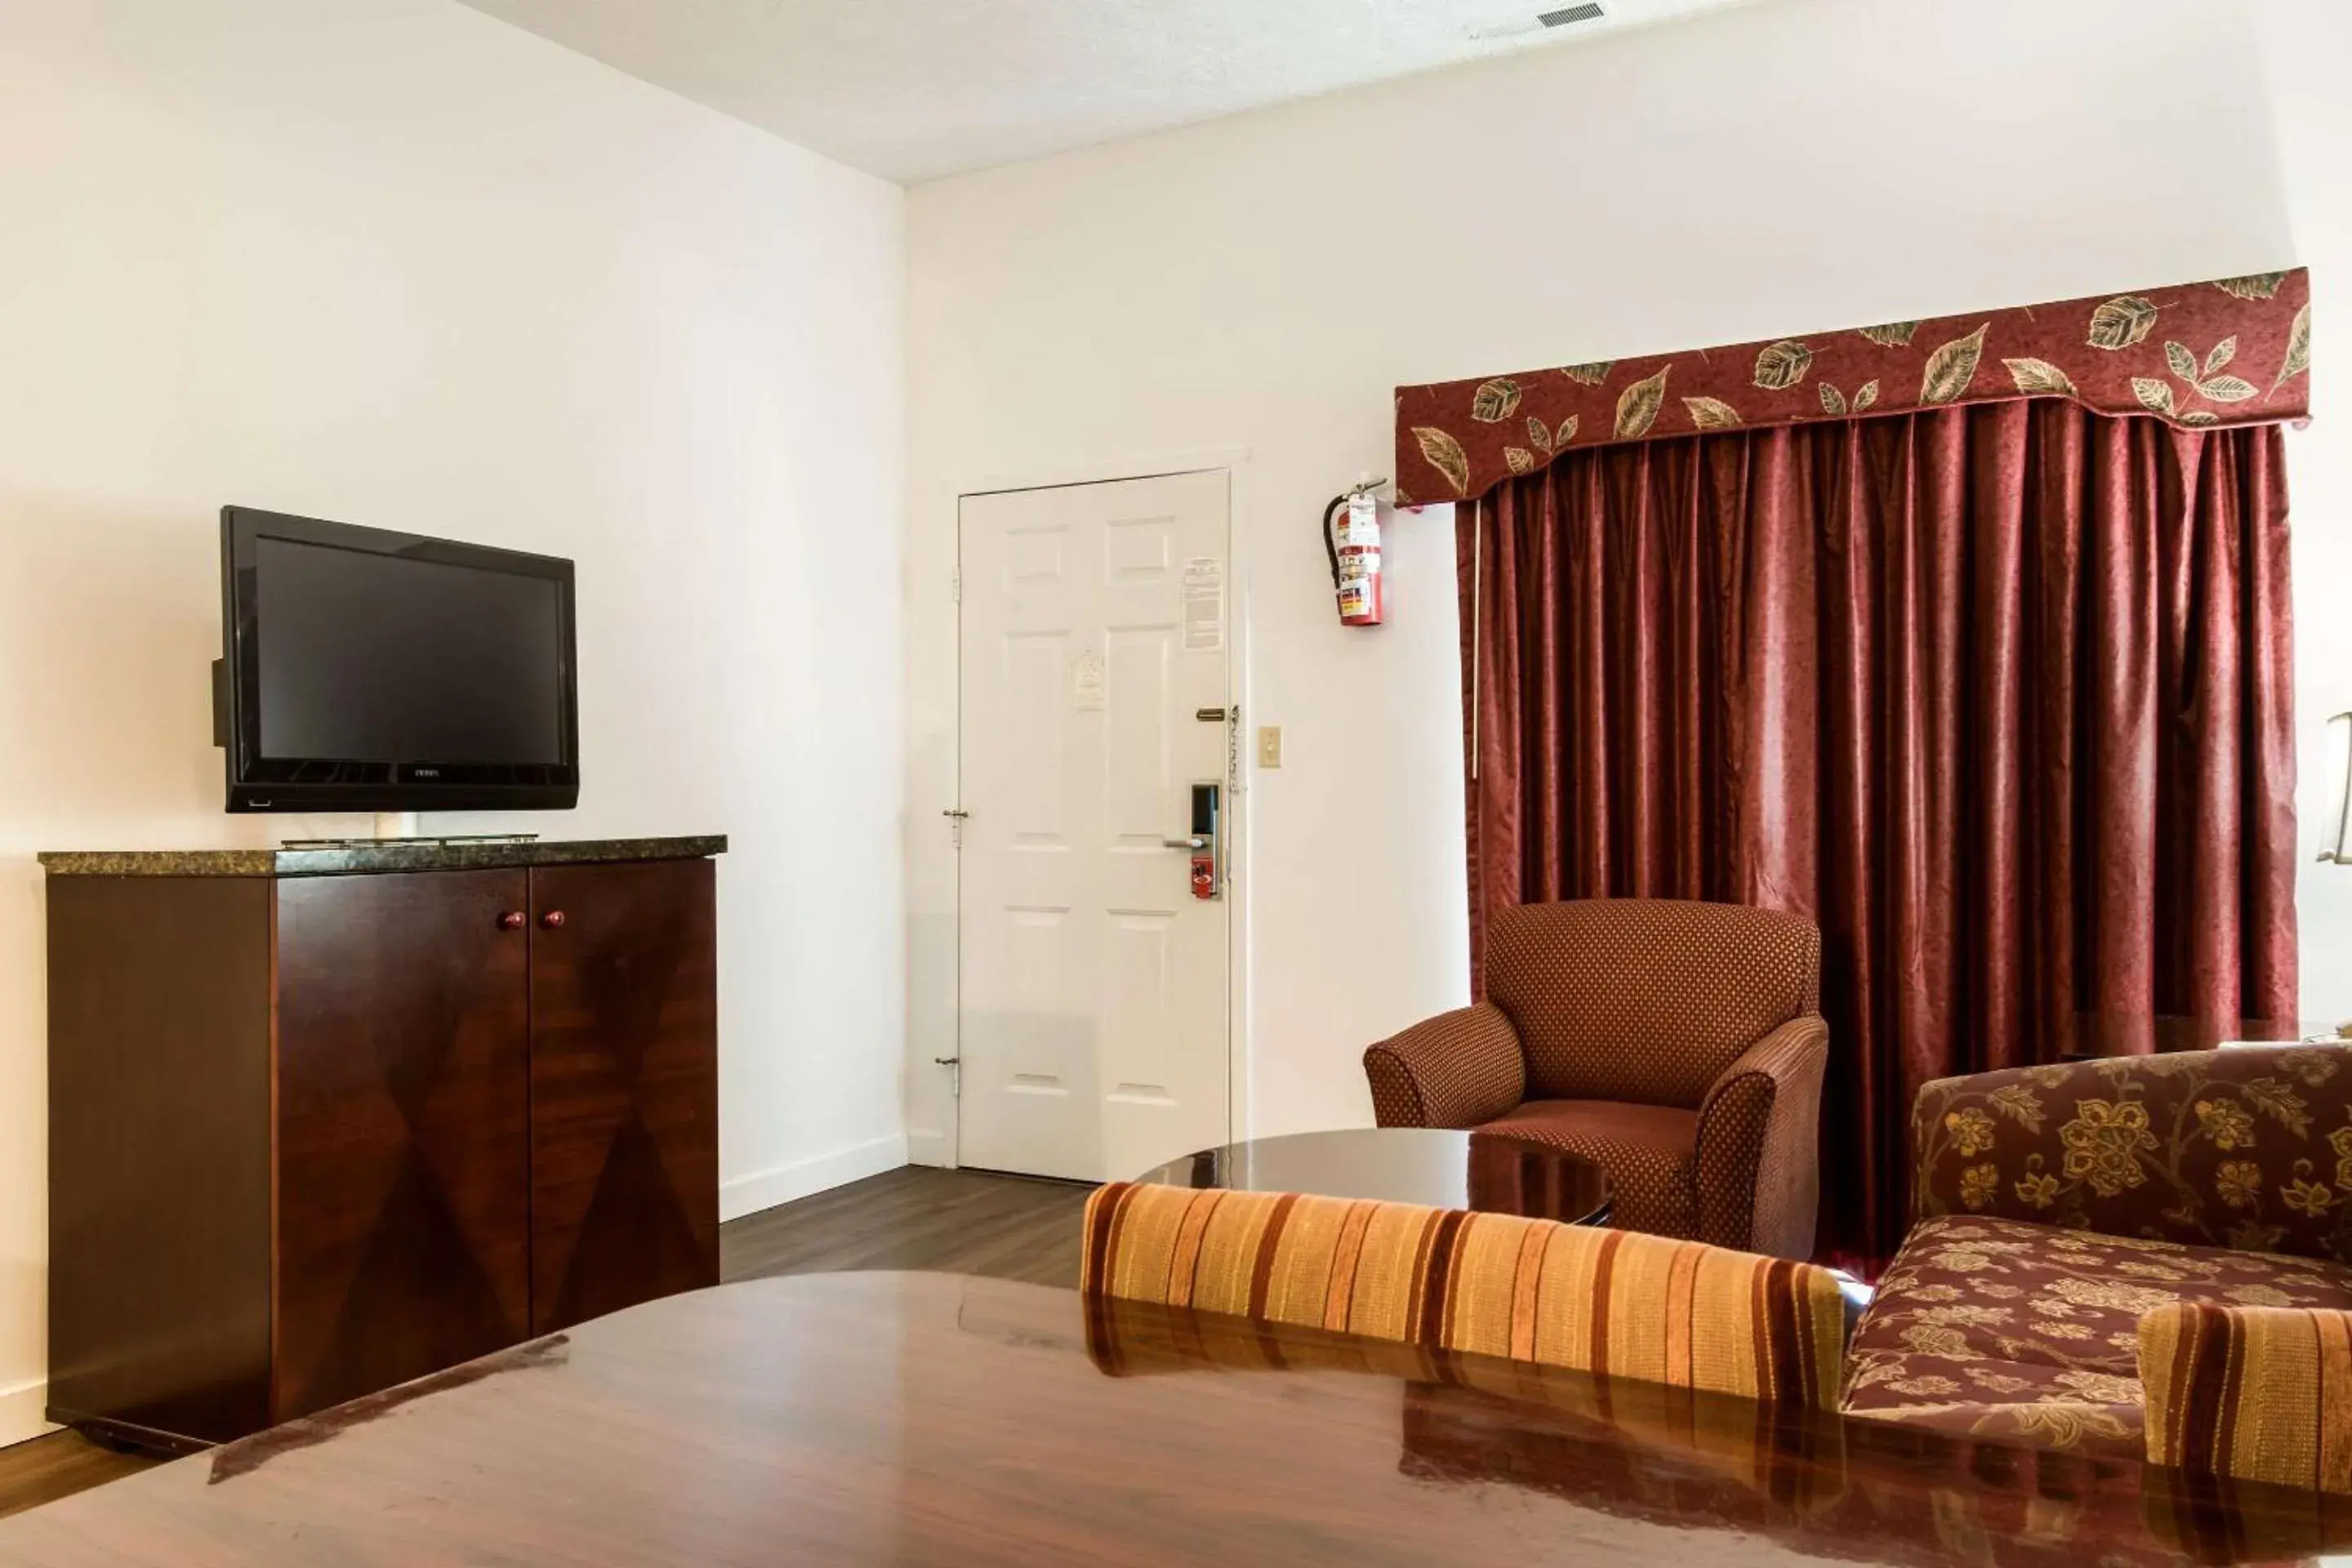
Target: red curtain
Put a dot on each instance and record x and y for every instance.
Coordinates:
(1998, 696)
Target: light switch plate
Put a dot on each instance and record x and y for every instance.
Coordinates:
(1270, 745)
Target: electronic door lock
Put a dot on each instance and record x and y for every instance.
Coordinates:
(1207, 842)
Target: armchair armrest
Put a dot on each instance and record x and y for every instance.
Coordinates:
(2257, 1393)
(1759, 1156)
(1457, 1069)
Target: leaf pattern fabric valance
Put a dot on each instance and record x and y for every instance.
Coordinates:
(2232, 351)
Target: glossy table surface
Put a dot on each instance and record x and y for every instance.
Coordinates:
(934, 1418)
(1429, 1166)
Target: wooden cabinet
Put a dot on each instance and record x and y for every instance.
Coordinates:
(312, 1136)
(403, 1130)
(623, 1144)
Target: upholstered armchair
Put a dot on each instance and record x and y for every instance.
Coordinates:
(1678, 1045)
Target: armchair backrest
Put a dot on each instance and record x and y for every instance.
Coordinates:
(2249, 1147)
(1646, 1000)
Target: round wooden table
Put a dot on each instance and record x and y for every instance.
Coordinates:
(1433, 1166)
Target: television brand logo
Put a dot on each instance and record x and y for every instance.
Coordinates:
(424, 772)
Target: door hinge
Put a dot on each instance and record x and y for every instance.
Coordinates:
(956, 817)
(955, 1075)
(955, 585)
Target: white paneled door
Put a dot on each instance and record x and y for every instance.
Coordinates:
(1093, 1006)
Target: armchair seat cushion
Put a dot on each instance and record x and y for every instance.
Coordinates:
(2030, 1333)
(1649, 1151)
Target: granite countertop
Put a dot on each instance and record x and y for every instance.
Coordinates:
(385, 855)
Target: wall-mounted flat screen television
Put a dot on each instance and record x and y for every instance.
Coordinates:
(367, 670)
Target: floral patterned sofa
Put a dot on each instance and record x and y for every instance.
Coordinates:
(2057, 1205)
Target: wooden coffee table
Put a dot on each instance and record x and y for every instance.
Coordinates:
(1429, 1166)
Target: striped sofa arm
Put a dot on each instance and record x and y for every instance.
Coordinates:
(2257, 1393)
(1646, 1308)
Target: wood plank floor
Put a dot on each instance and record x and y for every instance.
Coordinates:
(59, 1465)
(958, 1222)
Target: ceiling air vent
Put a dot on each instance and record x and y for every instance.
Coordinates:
(1563, 17)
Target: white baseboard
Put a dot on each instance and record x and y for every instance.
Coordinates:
(925, 1147)
(20, 1412)
(783, 1183)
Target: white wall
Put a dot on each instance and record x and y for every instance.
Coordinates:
(2307, 44)
(393, 262)
(1263, 282)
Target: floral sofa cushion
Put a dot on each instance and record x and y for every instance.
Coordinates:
(2249, 1148)
(2029, 1333)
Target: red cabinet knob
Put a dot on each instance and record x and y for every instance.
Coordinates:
(510, 920)
(553, 919)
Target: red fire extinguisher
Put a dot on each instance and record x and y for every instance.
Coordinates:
(1355, 552)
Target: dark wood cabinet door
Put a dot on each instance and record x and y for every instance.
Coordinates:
(625, 1088)
(403, 1129)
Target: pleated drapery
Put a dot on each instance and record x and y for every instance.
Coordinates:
(1998, 695)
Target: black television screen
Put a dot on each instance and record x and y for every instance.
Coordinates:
(376, 671)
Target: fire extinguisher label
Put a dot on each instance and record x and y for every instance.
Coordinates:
(1355, 542)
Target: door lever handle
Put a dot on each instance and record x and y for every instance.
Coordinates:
(1183, 843)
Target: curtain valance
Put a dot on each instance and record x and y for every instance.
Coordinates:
(2232, 351)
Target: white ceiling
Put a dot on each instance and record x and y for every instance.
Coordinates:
(911, 90)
